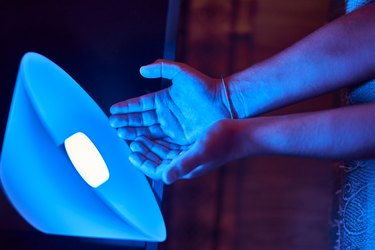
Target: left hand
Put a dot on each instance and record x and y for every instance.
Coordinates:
(162, 160)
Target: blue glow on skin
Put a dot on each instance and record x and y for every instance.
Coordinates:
(48, 106)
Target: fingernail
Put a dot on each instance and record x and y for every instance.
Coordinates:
(112, 109)
(142, 70)
(120, 134)
(132, 146)
(133, 160)
(112, 122)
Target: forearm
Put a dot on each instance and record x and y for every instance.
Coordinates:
(339, 54)
(344, 133)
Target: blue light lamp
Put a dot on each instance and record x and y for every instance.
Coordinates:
(63, 167)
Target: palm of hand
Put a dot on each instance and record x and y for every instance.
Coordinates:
(188, 107)
(178, 114)
(162, 160)
(168, 125)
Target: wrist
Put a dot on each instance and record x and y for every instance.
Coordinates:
(247, 94)
(261, 136)
(235, 96)
(226, 100)
(258, 89)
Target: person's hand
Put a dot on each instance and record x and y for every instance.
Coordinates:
(177, 114)
(162, 160)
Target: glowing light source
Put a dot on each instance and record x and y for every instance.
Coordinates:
(40, 179)
(86, 159)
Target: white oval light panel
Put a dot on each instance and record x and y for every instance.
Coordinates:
(86, 159)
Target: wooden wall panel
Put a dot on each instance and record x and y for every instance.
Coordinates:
(255, 203)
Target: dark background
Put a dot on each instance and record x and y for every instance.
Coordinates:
(262, 203)
(256, 203)
(101, 44)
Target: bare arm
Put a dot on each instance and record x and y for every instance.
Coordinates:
(344, 133)
(337, 55)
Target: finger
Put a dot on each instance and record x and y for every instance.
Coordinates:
(198, 171)
(130, 133)
(138, 147)
(161, 68)
(147, 166)
(140, 119)
(162, 151)
(183, 165)
(137, 104)
(200, 166)
(166, 143)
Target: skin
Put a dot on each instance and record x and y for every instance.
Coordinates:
(184, 131)
(171, 113)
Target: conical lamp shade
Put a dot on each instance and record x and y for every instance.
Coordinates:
(56, 192)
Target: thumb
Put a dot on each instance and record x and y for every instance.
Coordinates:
(184, 164)
(161, 68)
